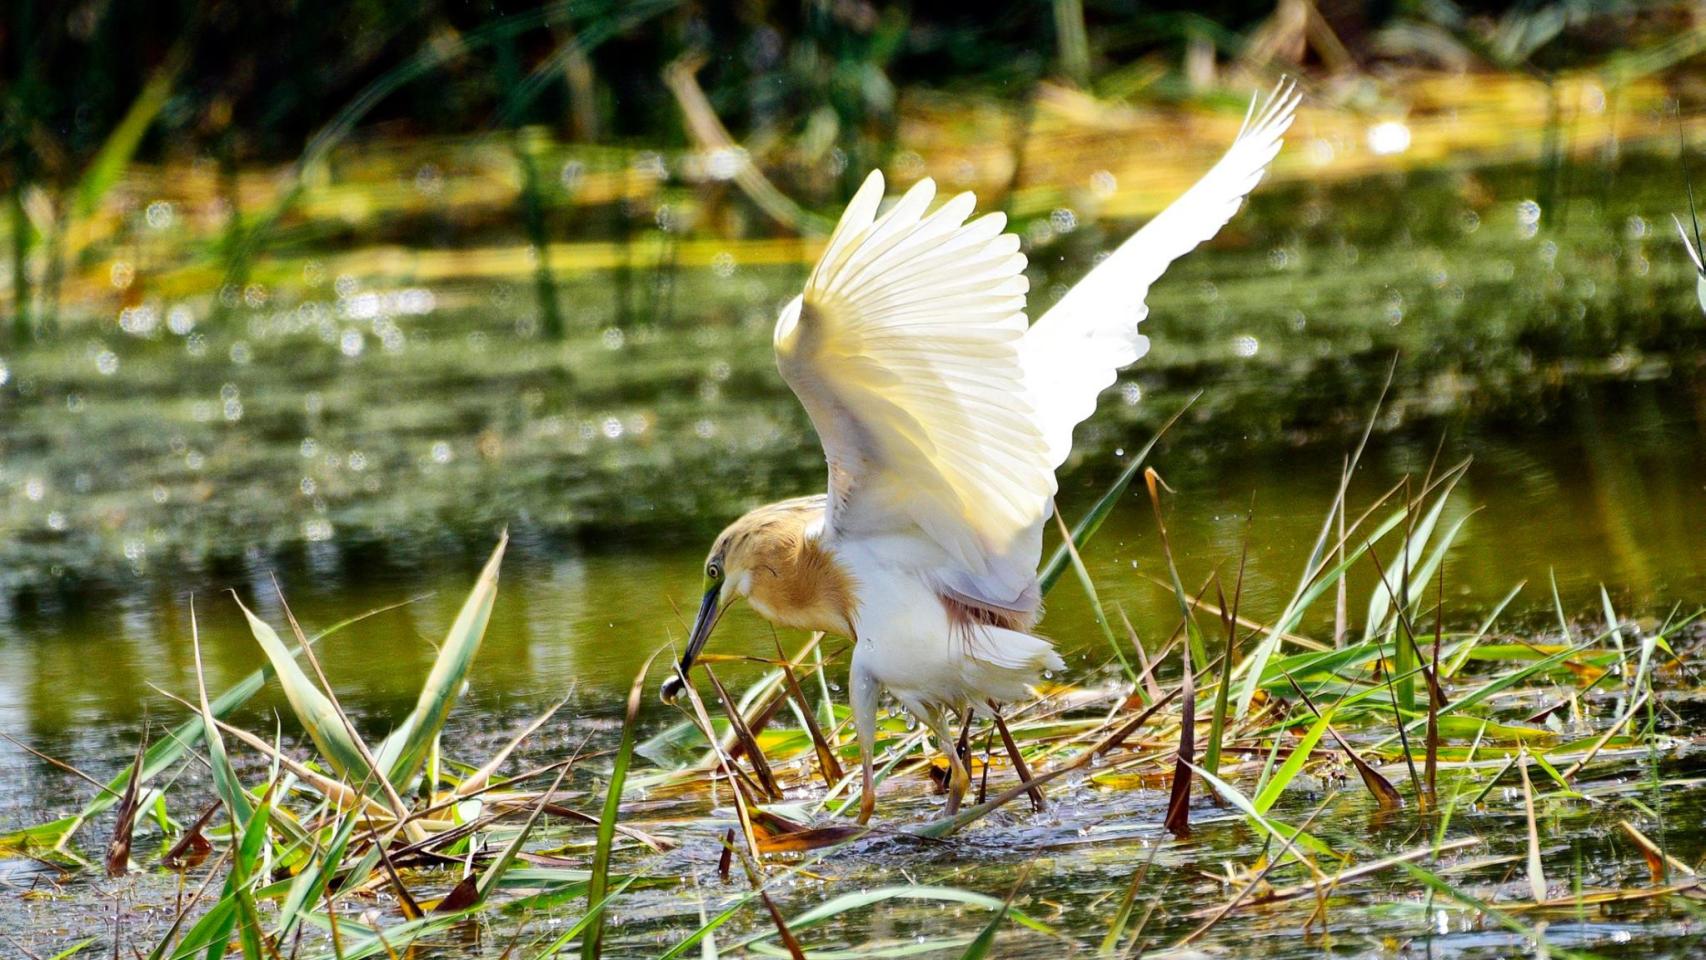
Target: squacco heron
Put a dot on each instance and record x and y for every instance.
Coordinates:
(943, 418)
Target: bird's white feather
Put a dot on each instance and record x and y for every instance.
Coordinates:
(904, 350)
(1075, 350)
(943, 417)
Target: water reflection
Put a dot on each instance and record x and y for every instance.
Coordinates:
(1605, 489)
(363, 430)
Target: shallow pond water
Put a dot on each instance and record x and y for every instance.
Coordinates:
(362, 436)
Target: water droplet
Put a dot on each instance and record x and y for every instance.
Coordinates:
(441, 452)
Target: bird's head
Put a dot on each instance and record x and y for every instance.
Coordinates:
(727, 576)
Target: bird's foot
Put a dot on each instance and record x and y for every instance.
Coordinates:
(959, 781)
(867, 806)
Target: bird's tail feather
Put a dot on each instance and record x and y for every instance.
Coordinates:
(1004, 664)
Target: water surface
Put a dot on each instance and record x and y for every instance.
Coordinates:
(360, 438)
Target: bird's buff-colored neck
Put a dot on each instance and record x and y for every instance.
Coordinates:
(775, 559)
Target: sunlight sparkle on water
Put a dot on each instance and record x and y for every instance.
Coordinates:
(1527, 219)
(139, 321)
(1389, 137)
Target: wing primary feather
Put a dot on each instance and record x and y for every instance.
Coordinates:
(1076, 349)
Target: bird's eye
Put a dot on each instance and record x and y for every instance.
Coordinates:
(713, 571)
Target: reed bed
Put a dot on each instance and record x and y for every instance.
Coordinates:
(345, 849)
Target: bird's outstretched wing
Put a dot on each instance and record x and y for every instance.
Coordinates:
(905, 351)
(1075, 350)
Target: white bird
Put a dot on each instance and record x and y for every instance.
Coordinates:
(943, 418)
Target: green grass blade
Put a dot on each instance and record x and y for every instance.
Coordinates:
(316, 712)
(1380, 600)
(241, 914)
(980, 947)
(73, 950)
(705, 930)
(1535, 935)
(1293, 765)
(1284, 833)
(225, 781)
(495, 871)
(116, 151)
(1087, 526)
(308, 886)
(579, 926)
(599, 885)
(1089, 586)
(1461, 655)
(1309, 590)
(165, 752)
(846, 903)
(403, 752)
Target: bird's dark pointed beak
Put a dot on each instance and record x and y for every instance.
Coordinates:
(702, 624)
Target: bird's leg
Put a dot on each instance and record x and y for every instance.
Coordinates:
(959, 781)
(864, 699)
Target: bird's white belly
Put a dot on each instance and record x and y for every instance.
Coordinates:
(907, 643)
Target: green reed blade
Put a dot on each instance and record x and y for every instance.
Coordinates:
(166, 751)
(1087, 526)
(319, 717)
(403, 752)
(1293, 765)
(599, 884)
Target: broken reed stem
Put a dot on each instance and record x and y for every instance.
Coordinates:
(1038, 803)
